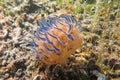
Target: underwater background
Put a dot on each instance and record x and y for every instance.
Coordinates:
(59, 39)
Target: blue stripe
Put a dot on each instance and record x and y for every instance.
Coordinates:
(38, 37)
(34, 50)
(70, 37)
(51, 43)
(68, 18)
(54, 37)
(54, 21)
(42, 22)
(44, 25)
(68, 25)
(52, 50)
(41, 51)
(61, 22)
(38, 57)
(60, 30)
(73, 20)
(40, 31)
(70, 28)
(33, 44)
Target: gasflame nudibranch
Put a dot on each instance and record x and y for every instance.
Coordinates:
(56, 39)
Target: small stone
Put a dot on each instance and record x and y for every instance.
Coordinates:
(87, 21)
(99, 75)
(1, 8)
(38, 77)
(2, 72)
(89, 45)
(4, 62)
(116, 66)
(17, 64)
(112, 62)
(1, 16)
(6, 76)
(31, 66)
(10, 78)
(77, 51)
(19, 73)
(1, 78)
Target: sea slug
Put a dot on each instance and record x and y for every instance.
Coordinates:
(56, 39)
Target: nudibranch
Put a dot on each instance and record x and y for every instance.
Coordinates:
(56, 39)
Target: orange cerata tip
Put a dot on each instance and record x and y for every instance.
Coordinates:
(56, 39)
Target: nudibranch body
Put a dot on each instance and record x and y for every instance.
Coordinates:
(56, 39)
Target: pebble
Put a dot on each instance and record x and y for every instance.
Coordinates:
(6, 75)
(38, 77)
(1, 16)
(4, 62)
(19, 73)
(1, 78)
(2, 72)
(87, 21)
(31, 66)
(1, 8)
(89, 45)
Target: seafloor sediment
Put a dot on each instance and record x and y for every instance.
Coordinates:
(97, 59)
